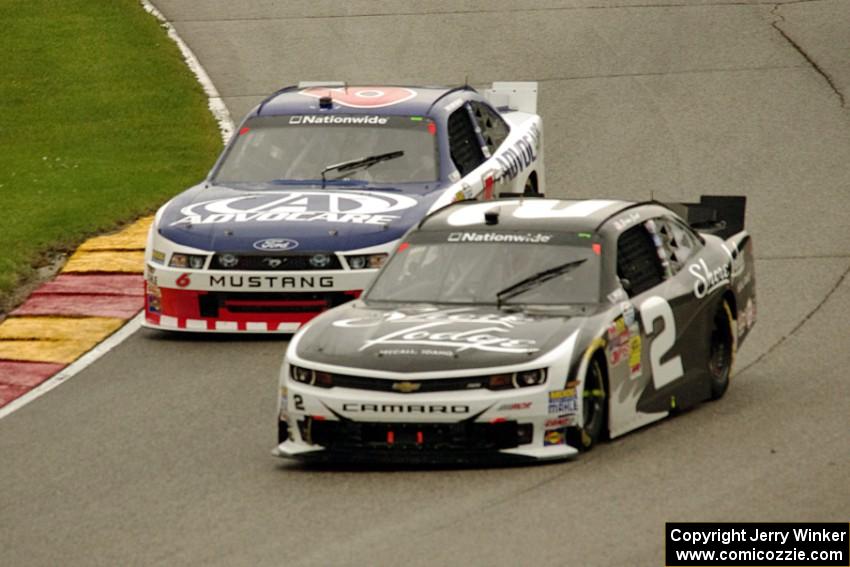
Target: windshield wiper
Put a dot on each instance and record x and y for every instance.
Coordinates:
(535, 280)
(361, 163)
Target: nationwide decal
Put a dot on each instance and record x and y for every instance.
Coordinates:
(275, 282)
(351, 207)
(563, 401)
(489, 333)
(520, 155)
(336, 120)
(276, 244)
(528, 238)
(405, 408)
(707, 280)
(362, 97)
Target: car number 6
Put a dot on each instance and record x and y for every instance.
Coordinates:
(650, 310)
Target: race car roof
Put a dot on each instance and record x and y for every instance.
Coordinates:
(358, 99)
(525, 214)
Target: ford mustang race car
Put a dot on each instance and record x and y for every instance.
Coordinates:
(525, 329)
(315, 189)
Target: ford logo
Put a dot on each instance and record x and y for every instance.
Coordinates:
(275, 244)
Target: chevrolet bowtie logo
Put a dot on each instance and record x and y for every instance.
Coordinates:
(406, 387)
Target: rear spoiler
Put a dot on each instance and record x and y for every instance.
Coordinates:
(718, 215)
(521, 96)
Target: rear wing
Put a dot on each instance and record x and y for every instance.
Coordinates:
(521, 96)
(718, 215)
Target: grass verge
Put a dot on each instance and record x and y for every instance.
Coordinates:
(100, 122)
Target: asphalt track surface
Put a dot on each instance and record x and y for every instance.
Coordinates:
(159, 452)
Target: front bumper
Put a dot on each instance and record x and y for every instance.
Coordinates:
(447, 427)
(253, 302)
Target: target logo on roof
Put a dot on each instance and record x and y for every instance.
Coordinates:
(363, 97)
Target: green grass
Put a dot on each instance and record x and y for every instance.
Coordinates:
(100, 122)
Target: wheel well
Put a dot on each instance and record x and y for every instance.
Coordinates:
(729, 297)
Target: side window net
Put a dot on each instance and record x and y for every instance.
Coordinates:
(463, 144)
(637, 260)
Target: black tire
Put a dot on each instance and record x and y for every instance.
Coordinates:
(721, 355)
(530, 189)
(594, 409)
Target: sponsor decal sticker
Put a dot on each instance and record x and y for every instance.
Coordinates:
(635, 369)
(352, 407)
(514, 406)
(336, 120)
(278, 282)
(528, 238)
(618, 295)
(520, 155)
(563, 401)
(554, 437)
(351, 207)
(618, 338)
(154, 298)
(559, 422)
(276, 244)
(488, 333)
(708, 279)
(624, 222)
(363, 97)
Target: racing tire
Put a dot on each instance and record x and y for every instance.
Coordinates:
(594, 409)
(721, 354)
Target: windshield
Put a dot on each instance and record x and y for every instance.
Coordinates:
(474, 267)
(292, 148)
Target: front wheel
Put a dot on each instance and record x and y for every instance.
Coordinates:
(722, 352)
(594, 409)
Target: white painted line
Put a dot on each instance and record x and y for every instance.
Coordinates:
(216, 104)
(256, 327)
(225, 124)
(226, 326)
(196, 325)
(75, 367)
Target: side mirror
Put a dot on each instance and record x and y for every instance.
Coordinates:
(627, 285)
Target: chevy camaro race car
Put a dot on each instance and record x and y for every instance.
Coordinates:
(524, 329)
(315, 189)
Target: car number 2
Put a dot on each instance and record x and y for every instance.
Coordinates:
(651, 310)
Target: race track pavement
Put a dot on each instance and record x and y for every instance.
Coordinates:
(159, 452)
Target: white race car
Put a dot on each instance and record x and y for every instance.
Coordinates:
(526, 330)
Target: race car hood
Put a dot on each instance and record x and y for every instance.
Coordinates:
(429, 338)
(309, 218)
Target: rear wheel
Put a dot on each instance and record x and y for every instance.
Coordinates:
(722, 352)
(594, 409)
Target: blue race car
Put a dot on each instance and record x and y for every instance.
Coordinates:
(315, 189)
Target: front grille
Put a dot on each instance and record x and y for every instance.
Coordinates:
(269, 302)
(276, 262)
(401, 437)
(410, 387)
